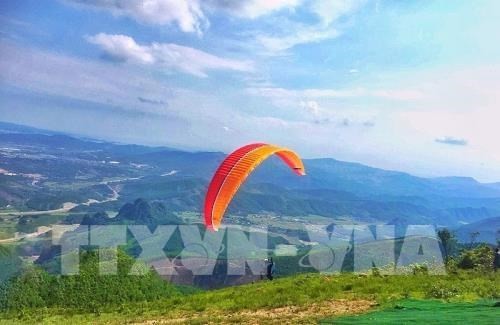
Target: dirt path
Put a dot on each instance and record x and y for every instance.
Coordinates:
(66, 207)
(307, 314)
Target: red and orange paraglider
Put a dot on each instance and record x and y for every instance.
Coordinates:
(234, 170)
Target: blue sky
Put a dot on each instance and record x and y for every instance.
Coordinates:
(405, 85)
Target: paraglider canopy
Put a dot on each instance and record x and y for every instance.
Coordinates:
(234, 170)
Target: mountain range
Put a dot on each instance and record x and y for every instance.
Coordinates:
(70, 168)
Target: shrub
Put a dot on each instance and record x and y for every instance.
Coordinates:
(441, 291)
(87, 291)
(420, 269)
(480, 258)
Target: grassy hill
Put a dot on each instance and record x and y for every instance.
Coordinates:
(43, 170)
(301, 298)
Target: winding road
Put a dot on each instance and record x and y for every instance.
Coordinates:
(66, 208)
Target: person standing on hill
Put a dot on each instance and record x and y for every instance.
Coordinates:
(496, 259)
(270, 269)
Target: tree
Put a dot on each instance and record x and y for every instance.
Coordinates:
(480, 258)
(446, 238)
(10, 263)
(473, 237)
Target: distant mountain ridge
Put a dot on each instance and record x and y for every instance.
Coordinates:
(6, 127)
(488, 230)
(354, 172)
(178, 180)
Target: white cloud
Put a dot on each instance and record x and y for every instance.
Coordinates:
(328, 11)
(169, 55)
(96, 82)
(315, 113)
(253, 8)
(191, 16)
(121, 47)
(297, 105)
(186, 14)
(321, 106)
(302, 35)
(311, 106)
(314, 93)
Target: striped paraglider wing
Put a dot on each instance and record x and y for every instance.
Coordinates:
(233, 172)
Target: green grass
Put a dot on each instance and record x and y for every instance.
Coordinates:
(427, 311)
(7, 228)
(300, 290)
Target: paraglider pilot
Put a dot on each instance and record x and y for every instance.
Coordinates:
(270, 269)
(496, 259)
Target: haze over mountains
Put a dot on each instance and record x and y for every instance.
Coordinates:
(41, 170)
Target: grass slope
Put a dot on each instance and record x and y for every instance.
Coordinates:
(427, 311)
(302, 298)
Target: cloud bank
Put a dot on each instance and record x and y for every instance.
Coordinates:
(186, 14)
(191, 16)
(167, 55)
